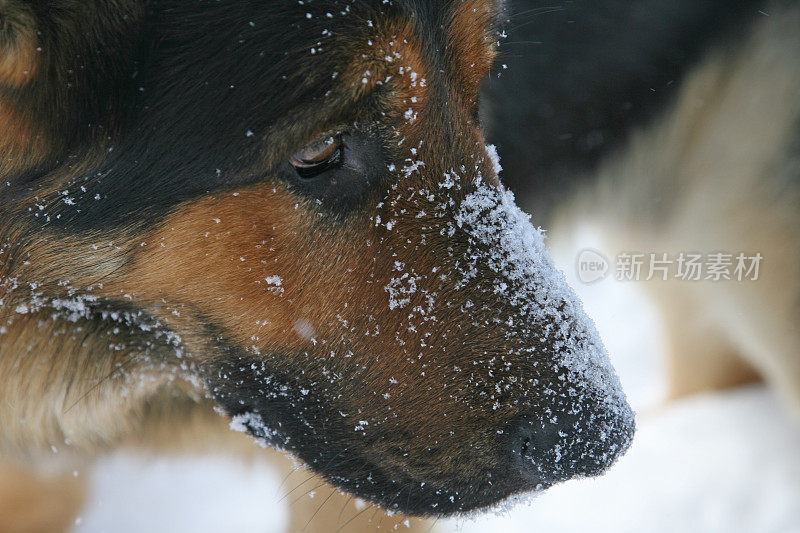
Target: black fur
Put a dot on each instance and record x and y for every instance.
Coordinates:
(583, 74)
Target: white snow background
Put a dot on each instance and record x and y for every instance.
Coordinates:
(725, 462)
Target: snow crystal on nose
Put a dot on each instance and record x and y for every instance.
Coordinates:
(503, 239)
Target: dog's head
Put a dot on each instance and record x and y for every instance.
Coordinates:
(300, 191)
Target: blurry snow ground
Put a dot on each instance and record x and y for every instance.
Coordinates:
(198, 494)
(727, 462)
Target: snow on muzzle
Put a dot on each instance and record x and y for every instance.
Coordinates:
(578, 421)
(511, 392)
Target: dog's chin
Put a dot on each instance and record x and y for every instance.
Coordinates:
(351, 473)
(297, 420)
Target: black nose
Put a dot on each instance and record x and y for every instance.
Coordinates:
(556, 447)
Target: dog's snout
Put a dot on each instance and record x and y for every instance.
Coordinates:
(563, 446)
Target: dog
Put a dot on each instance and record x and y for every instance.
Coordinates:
(670, 130)
(284, 212)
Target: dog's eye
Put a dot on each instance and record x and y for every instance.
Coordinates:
(338, 171)
(317, 157)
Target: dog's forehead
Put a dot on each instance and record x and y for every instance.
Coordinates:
(310, 44)
(335, 63)
(455, 38)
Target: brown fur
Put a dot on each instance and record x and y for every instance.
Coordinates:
(21, 144)
(19, 60)
(472, 47)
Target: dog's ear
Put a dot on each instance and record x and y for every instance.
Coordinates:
(18, 43)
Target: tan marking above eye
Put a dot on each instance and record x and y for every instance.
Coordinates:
(19, 57)
(472, 42)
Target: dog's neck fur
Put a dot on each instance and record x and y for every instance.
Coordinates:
(71, 385)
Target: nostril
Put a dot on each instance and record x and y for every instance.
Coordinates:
(546, 451)
(525, 444)
(533, 443)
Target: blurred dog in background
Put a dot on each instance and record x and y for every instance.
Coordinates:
(672, 130)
